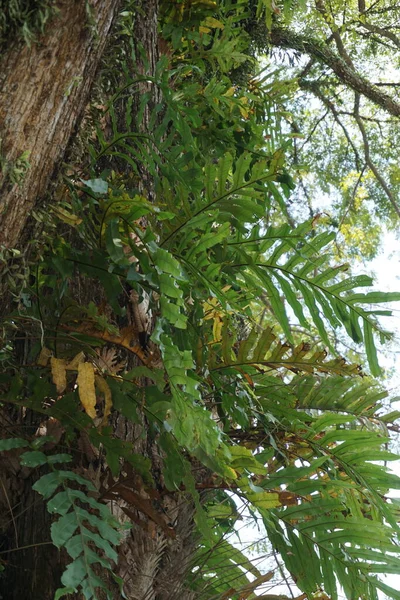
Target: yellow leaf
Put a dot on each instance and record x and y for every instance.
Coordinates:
(213, 23)
(58, 373)
(229, 472)
(44, 356)
(217, 328)
(212, 306)
(209, 307)
(230, 92)
(204, 3)
(66, 216)
(73, 364)
(87, 393)
(244, 111)
(102, 386)
(204, 29)
(265, 500)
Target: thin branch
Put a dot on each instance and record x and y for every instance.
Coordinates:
(378, 40)
(314, 88)
(307, 68)
(383, 32)
(335, 33)
(368, 159)
(26, 547)
(307, 197)
(379, 11)
(383, 84)
(353, 195)
(364, 118)
(281, 571)
(314, 127)
(11, 513)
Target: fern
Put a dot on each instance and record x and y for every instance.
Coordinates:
(328, 525)
(232, 405)
(85, 527)
(263, 351)
(24, 19)
(289, 273)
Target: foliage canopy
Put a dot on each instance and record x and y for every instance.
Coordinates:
(241, 386)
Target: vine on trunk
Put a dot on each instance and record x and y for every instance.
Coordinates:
(200, 279)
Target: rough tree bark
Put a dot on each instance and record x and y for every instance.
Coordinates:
(43, 91)
(156, 555)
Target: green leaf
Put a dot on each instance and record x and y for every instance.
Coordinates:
(11, 443)
(374, 297)
(242, 458)
(60, 503)
(292, 300)
(172, 312)
(74, 573)
(105, 530)
(58, 458)
(63, 592)
(36, 458)
(175, 465)
(169, 286)
(371, 349)
(98, 186)
(386, 589)
(114, 244)
(100, 542)
(75, 545)
(63, 529)
(166, 263)
(277, 306)
(208, 240)
(264, 500)
(47, 484)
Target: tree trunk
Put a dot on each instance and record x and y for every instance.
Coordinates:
(32, 567)
(43, 91)
(155, 558)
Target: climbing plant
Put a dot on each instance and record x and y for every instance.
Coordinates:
(195, 289)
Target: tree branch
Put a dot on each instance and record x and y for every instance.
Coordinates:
(387, 34)
(335, 33)
(368, 160)
(284, 38)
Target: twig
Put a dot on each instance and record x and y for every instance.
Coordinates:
(11, 513)
(368, 159)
